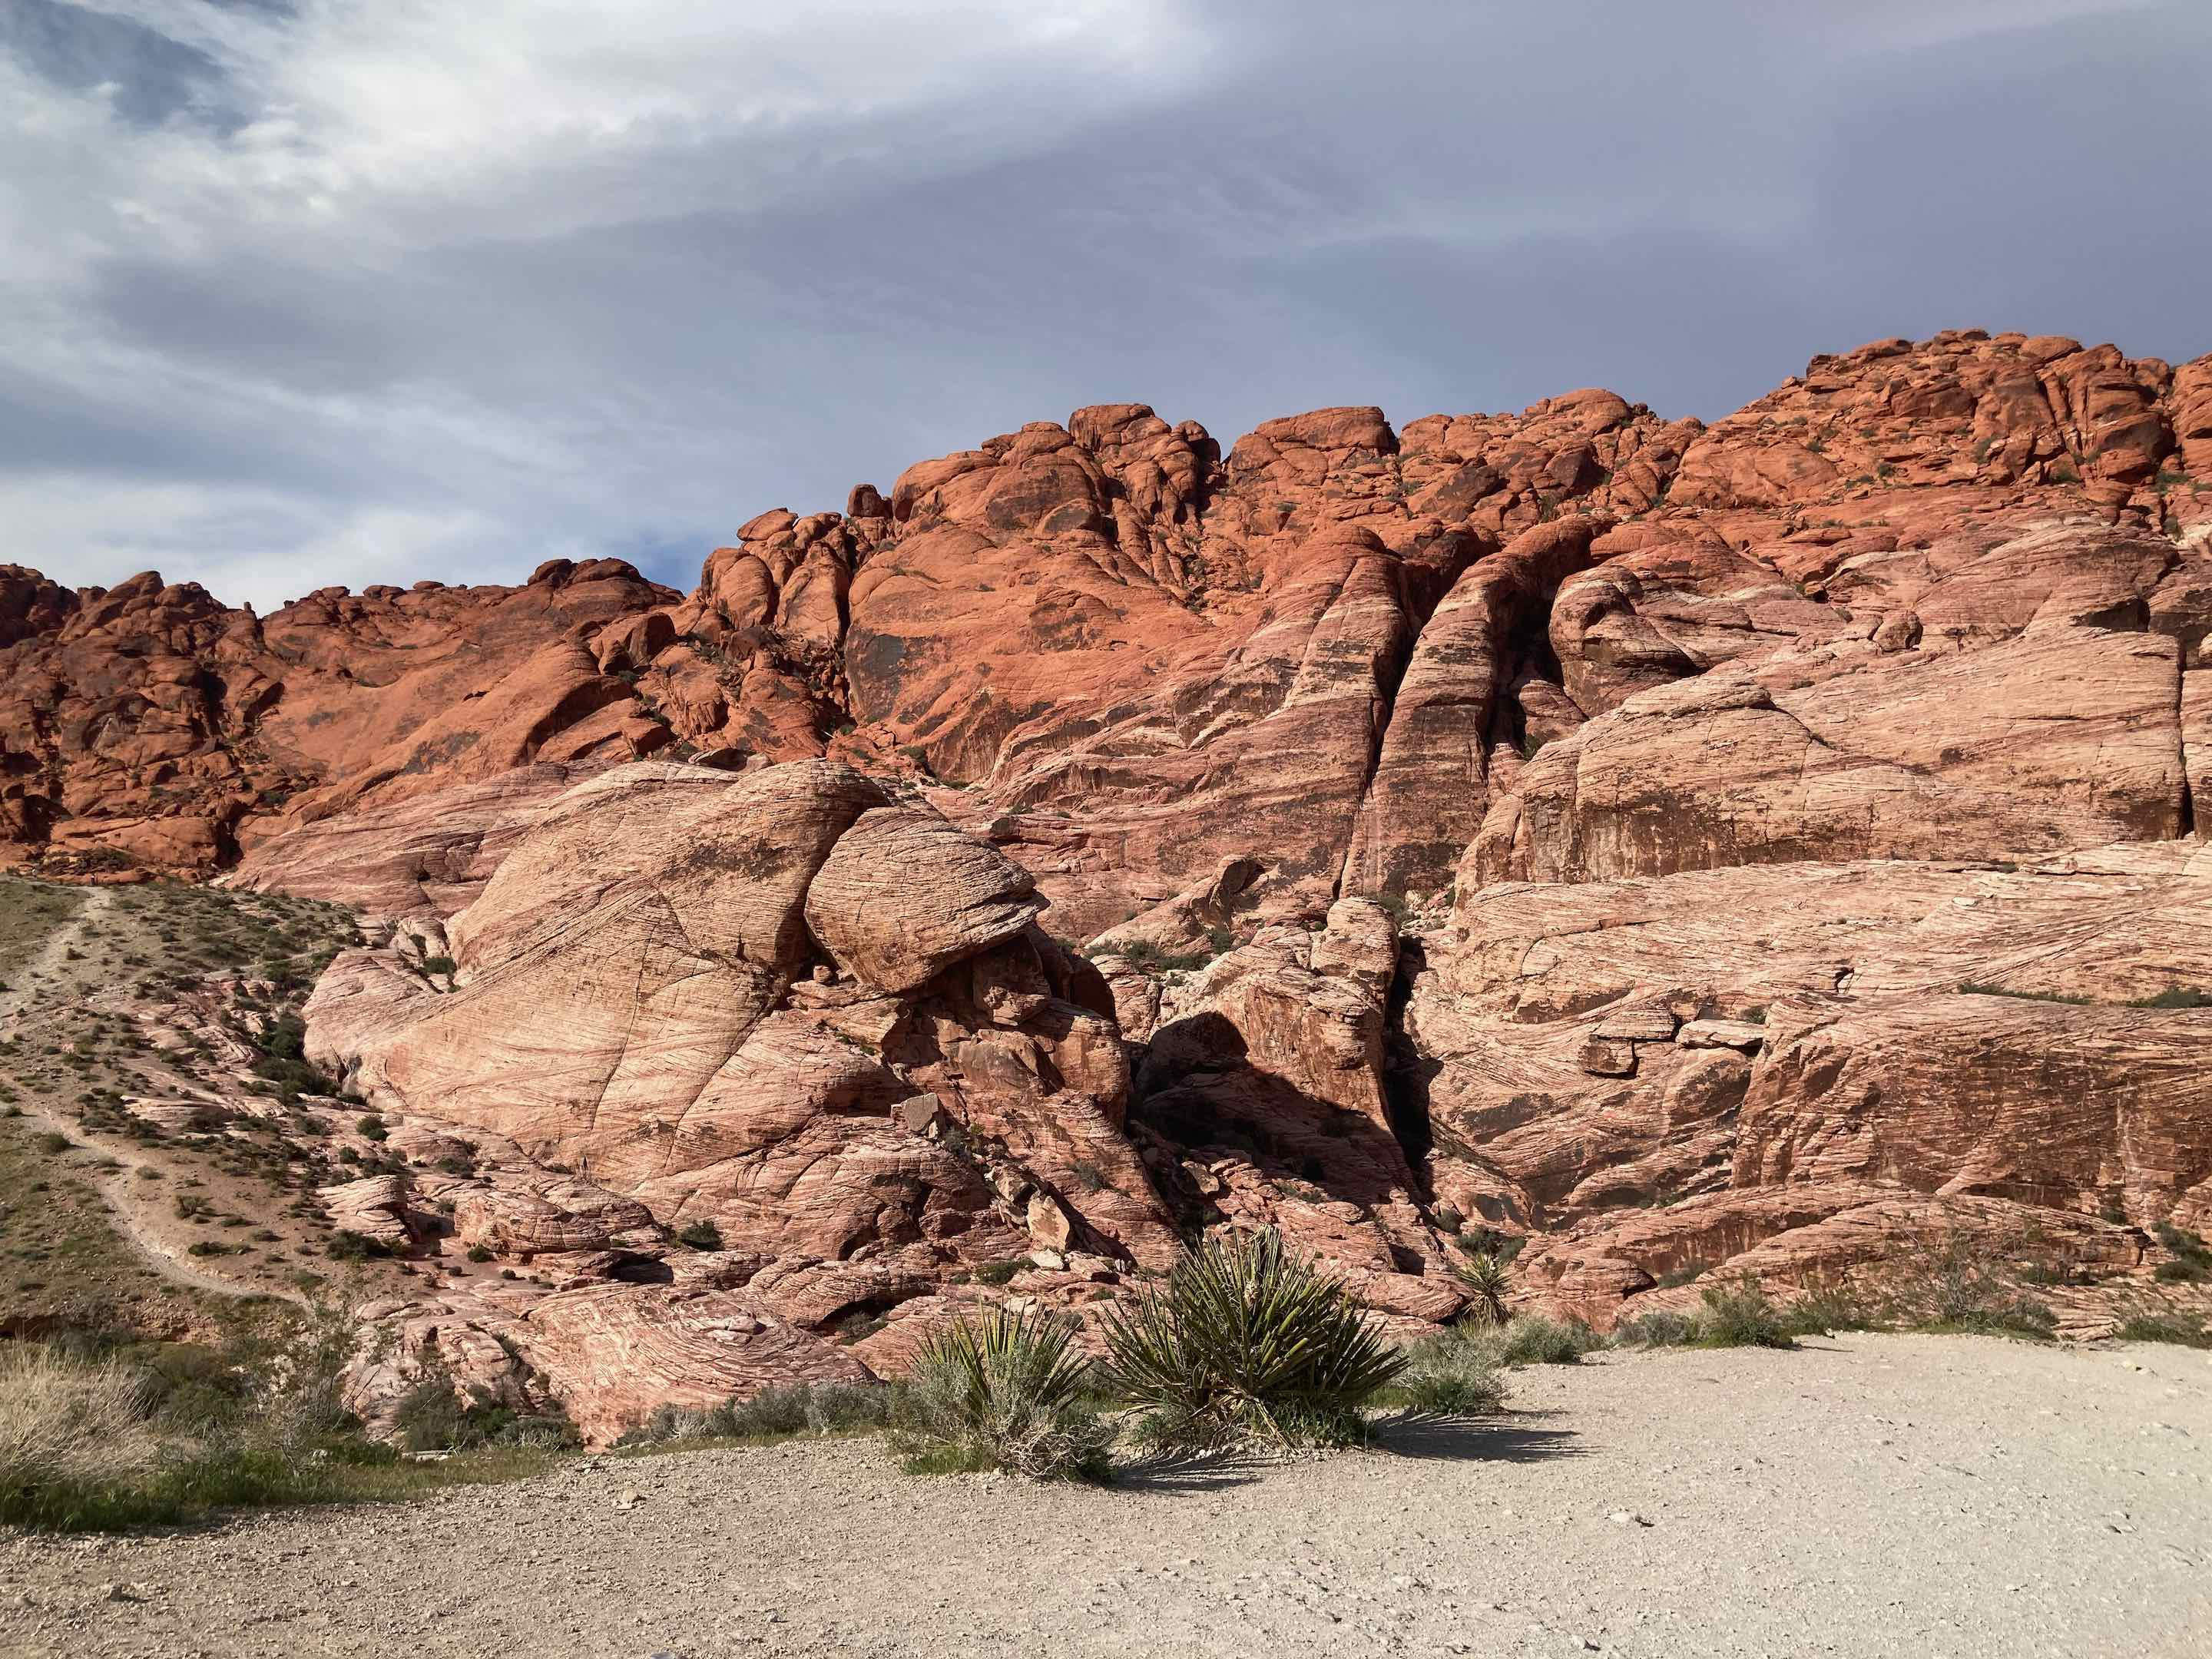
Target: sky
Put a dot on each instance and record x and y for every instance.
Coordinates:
(297, 293)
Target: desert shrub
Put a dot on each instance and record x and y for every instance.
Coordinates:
(283, 1059)
(1457, 1370)
(2192, 1261)
(1829, 1308)
(1962, 1285)
(370, 1127)
(478, 1253)
(1005, 1392)
(68, 1430)
(999, 1273)
(1533, 1340)
(1145, 954)
(1662, 1328)
(1739, 1315)
(1482, 1275)
(701, 1235)
(349, 1246)
(2186, 1330)
(258, 1422)
(794, 1408)
(1246, 1340)
(435, 1415)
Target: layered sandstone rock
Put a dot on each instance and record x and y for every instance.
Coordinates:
(645, 994)
(1764, 1049)
(1264, 1081)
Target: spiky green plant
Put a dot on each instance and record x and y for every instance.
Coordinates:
(1482, 1275)
(1246, 1340)
(1003, 1392)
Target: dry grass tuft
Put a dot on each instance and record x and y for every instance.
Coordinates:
(67, 1422)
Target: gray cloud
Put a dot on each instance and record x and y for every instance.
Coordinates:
(351, 292)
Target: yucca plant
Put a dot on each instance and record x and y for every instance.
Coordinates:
(1003, 1392)
(1247, 1340)
(1482, 1275)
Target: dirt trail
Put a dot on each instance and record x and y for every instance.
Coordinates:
(20, 1007)
(1874, 1496)
(53, 959)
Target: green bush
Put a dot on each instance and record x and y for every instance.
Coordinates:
(1829, 1308)
(2192, 1261)
(2186, 1330)
(1962, 1285)
(158, 1434)
(435, 1415)
(773, 1413)
(1006, 1392)
(1245, 1339)
(1739, 1315)
(701, 1235)
(1533, 1340)
(1662, 1328)
(1457, 1370)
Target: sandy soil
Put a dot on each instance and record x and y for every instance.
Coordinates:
(1873, 1495)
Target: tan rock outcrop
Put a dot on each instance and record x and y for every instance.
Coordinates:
(1796, 1041)
(614, 1353)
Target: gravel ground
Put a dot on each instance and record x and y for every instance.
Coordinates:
(1873, 1495)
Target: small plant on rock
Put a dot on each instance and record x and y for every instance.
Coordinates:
(1005, 1392)
(701, 1234)
(1246, 1340)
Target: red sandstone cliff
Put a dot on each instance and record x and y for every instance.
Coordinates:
(1715, 760)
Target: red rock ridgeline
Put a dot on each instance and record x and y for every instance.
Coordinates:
(1136, 659)
(1704, 689)
(147, 726)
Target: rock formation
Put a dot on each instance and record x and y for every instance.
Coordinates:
(1757, 846)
